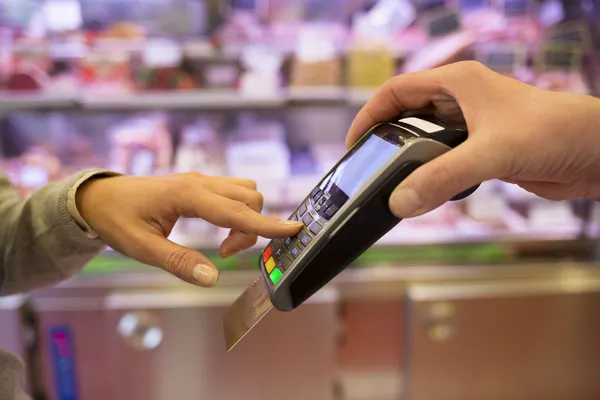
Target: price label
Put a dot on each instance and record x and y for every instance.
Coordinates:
(469, 5)
(441, 22)
(258, 7)
(575, 33)
(513, 8)
(560, 58)
(424, 5)
(502, 59)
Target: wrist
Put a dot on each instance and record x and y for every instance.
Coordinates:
(77, 199)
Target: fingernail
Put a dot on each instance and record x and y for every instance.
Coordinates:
(406, 203)
(226, 252)
(205, 275)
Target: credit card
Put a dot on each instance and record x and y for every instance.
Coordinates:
(246, 312)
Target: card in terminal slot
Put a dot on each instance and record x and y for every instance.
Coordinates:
(246, 312)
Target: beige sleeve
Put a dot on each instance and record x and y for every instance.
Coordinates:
(43, 239)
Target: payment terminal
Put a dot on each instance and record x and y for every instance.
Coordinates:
(343, 216)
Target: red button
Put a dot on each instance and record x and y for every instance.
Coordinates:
(267, 253)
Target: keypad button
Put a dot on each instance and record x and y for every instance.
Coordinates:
(316, 193)
(321, 203)
(307, 219)
(267, 253)
(331, 210)
(285, 263)
(305, 239)
(288, 242)
(276, 275)
(295, 251)
(318, 196)
(294, 218)
(302, 210)
(269, 265)
(278, 253)
(315, 228)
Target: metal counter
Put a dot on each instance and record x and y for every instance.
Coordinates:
(518, 331)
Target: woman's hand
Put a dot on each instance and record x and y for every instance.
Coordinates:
(135, 215)
(546, 142)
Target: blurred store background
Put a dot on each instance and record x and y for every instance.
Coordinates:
(493, 297)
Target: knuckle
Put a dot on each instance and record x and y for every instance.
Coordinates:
(235, 213)
(236, 209)
(472, 67)
(176, 262)
(259, 200)
(194, 175)
(251, 184)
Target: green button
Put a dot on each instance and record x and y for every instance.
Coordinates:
(276, 275)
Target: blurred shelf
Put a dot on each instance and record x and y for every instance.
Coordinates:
(192, 100)
(205, 99)
(15, 101)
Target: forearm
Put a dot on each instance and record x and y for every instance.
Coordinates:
(41, 242)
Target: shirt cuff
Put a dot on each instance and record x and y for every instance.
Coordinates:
(72, 196)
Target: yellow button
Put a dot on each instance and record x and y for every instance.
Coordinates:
(270, 265)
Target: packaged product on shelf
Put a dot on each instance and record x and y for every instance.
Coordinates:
(369, 66)
(32, 52)
(27, 79)
(65, 78)
(383, 20)
(141, 146)
(125, 30)
(316, 60)
(30, 65)
(242, 27)
(262, 68)
(259, 151)
(162, 67)
(106, 72)
(56, 17)
(209, 68)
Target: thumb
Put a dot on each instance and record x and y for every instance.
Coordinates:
(186, 264)
(437, 181)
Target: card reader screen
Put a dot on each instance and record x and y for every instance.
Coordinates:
(357, 168)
